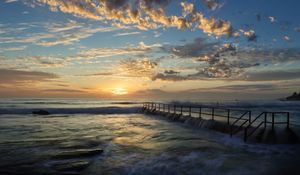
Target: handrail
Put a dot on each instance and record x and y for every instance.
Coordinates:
(191, 110)
(233, 131)
(257, 117)
(238, 119)
(246, 135)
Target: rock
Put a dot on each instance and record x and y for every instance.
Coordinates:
(40, 112)
(77, 165)
(294, 97)
(78, 153)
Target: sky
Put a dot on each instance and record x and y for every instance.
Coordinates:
(150, 49)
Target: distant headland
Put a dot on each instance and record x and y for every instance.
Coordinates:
(294, 97)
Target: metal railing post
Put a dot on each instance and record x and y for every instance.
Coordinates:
(168, 108)
(174, 109)
(200, 112)
(190, 111)
(288, 121)
(213, 113)
(228, 114)
(265, 120)
(273, 121)
(249, 116)
(180, 110)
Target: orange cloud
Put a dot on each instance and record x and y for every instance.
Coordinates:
(143, 14)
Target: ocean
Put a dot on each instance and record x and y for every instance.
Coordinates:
(92, 136)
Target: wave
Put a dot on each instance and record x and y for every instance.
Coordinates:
(91, 110)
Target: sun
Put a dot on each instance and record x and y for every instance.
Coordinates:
(119, 91)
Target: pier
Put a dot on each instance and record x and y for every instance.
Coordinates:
(244, 123)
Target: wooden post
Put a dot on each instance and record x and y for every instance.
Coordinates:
(273, 121)
(213, 113)
(200, 112)
(163, 107)
(288, 121)
(190, 111)
(168, 108)
(228, 115)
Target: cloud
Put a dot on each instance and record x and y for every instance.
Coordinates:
(169, 77)
(198, 47)
(127, 33)
(82, 57)
(214, 26)
(170, 72)
(138, 68)
(52, 34)
(274, 75)
(10, 76)
(10, 1)
(251, 36)
(227, 92)
(157, 34)
(11, 49)
(225, 61)
(241, 87)
(109, 52)
(258, 17)
(70, 34)
(269, 55)
(212, 4)
(64, 91)
(286, 38)
(272, 19)
(98, 74)
(34, 62)
(84, 8)
(143, 14)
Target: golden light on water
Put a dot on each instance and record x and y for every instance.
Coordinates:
(119, 91)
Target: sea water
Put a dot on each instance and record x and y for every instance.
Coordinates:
(132, 143)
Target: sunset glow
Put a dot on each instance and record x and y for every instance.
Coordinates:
(166, 49)
(135, 87)
(119, 91)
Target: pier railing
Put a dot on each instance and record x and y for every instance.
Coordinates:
(236, 119)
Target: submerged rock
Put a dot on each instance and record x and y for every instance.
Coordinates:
(78, 153)
(77, 165)
(40, 112)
